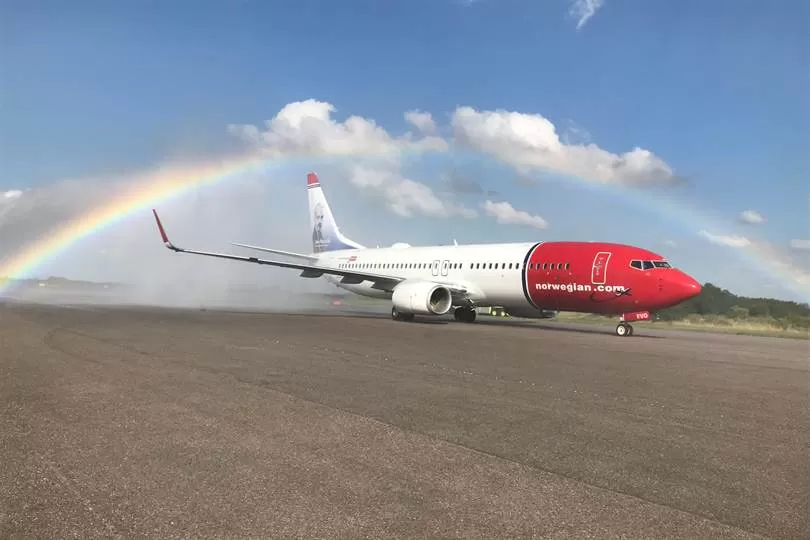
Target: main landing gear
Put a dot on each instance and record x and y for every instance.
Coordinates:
(464, 314)
(398, 316)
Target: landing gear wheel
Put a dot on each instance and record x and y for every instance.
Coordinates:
(623, 329)
(397, 316)
(464, 314)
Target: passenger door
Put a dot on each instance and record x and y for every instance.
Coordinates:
(600, 267)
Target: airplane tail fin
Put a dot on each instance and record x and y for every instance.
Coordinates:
(326, 235)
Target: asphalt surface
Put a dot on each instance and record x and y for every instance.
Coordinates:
(141, 422)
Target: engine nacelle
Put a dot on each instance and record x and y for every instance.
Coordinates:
(422, 298)
(531, 313)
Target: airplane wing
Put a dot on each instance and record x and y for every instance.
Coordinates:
(301, 256)
(382, 282)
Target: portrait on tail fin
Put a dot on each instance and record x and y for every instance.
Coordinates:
(320, 239)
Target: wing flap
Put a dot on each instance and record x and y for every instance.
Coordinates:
(311, 273)
(301, 256)
(352, 280)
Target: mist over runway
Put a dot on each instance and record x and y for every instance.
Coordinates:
(156, 422)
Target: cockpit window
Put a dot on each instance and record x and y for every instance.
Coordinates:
(649, 265)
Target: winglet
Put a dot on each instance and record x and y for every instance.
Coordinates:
(163, 232)
(313, 180)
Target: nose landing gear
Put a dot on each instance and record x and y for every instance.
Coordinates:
(623, 329)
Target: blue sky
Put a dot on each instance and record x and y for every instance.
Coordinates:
(715, 90)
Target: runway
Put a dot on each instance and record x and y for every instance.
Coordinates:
(167, 423)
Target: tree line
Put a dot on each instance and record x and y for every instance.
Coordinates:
(714, 301)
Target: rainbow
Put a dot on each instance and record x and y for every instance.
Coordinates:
(161, 183)
(166, 182)
(156, 185)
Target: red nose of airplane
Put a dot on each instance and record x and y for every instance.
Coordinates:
(684, 286)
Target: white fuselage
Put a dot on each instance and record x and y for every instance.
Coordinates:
(493, 280)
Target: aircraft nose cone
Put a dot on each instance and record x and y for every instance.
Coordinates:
(687, 286)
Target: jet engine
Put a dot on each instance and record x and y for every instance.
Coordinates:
(422, 298)
(531, 313)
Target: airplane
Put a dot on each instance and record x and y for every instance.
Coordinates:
(526, 279)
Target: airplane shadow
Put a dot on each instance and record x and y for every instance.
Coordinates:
(554, 327)
(529, 325)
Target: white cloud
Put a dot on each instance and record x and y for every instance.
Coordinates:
(582, 10)
(800, 244)
(723, 240)
(404, 196)
(506, 214)
(751, 217)
(423, 121)
(575, 134)
(307, 128)
(530, 141)
(670, 243)
(11, 194)
(525, 141)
